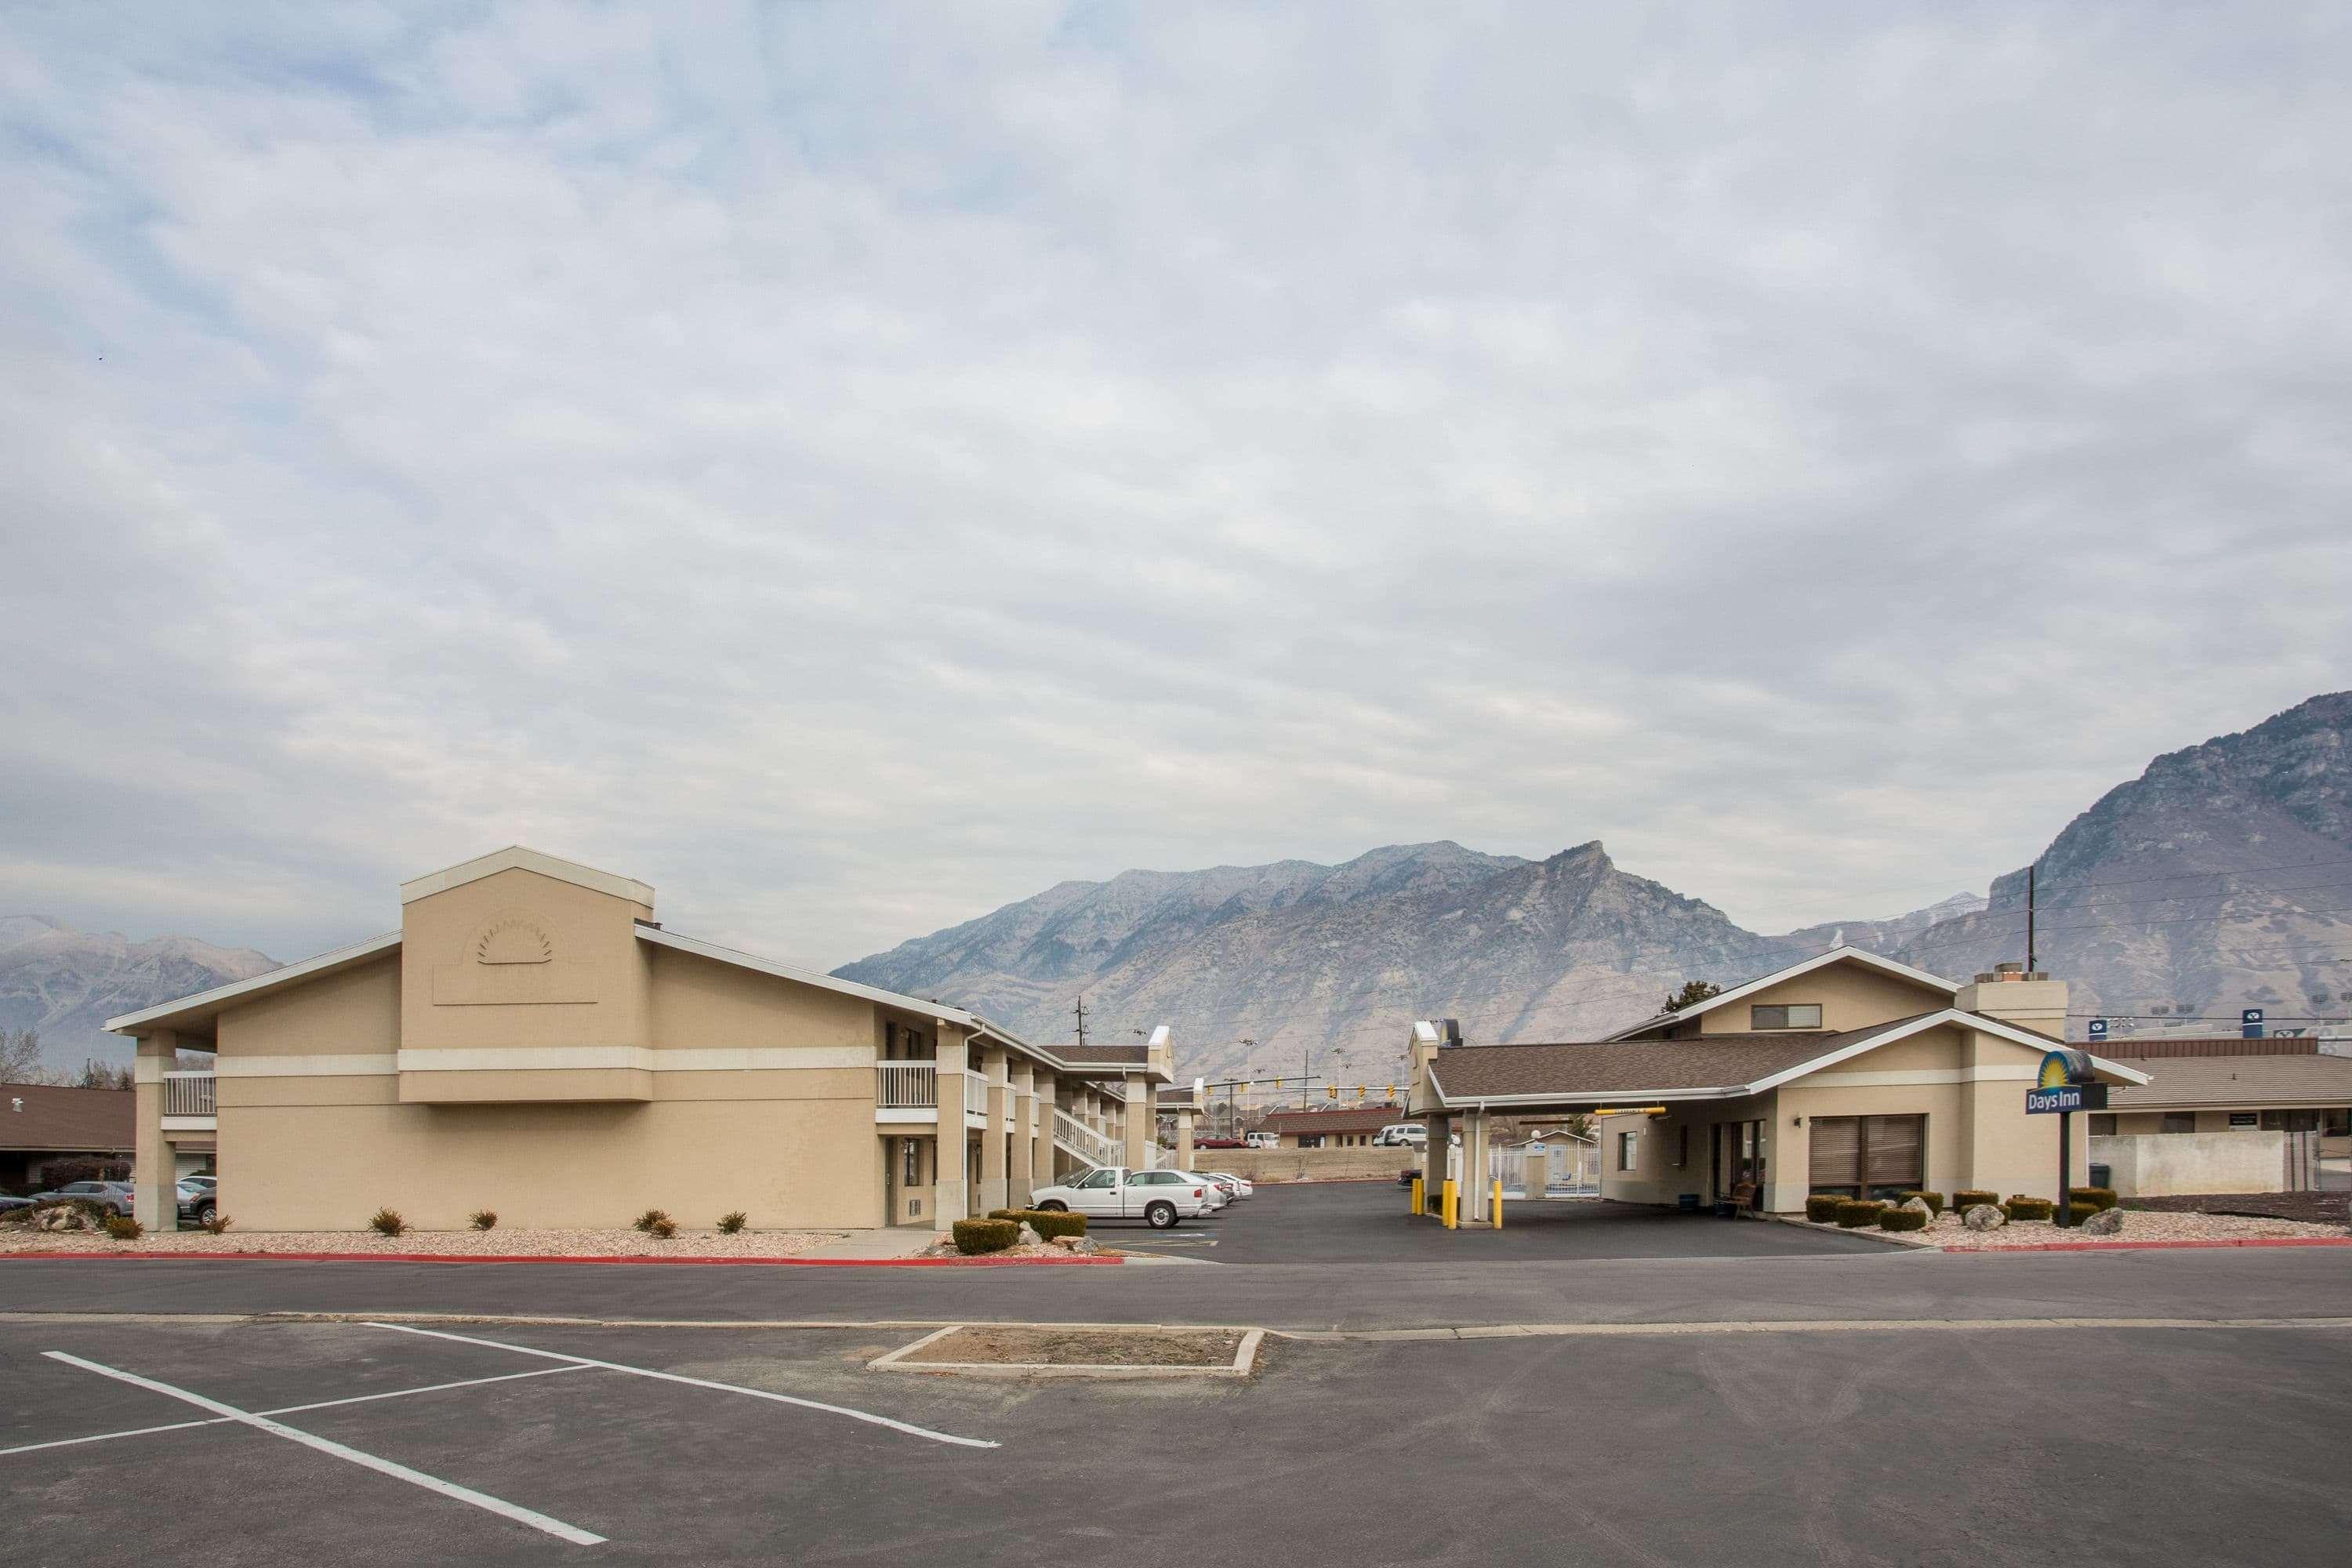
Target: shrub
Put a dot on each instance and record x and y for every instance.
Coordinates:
(1047, 1223)
(2094, 1198)
(219, 1225)
(1934, 1201)
(1853, 1214)
(1902, 1219)
(387, 1222)
(483, 1219)
(732, 1221)
(647, 1220)
(1970, 1199)
(122, 1227)
(973, 1236)
(2078, 1213)
(1823, 1208)
(2019, 1207)
(663, 1228)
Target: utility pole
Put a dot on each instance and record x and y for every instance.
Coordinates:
(1233, 1111)
(1306, 1055)
(2028, 919)
(1082, 1021)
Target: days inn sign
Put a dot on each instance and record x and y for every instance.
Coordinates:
(2066, 1082)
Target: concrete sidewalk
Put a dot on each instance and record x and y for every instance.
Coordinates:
(873, 1246)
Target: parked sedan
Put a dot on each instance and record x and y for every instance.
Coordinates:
(113, 1196)
(1232, 1184)
(197, 1205)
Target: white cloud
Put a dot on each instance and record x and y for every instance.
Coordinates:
(852, 466)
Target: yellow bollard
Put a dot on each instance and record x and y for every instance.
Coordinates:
(1498, 1205)
(1453, 1204)
(1417, 1198)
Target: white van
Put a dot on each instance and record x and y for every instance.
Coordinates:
(1402, 1135)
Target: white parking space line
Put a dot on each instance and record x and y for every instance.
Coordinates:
(286, 1410)
(499, 1506)
(866, 1416)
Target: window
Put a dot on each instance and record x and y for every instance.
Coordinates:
(1788, 1016)
(914, 1147)
(1868, 1156)
(1093, 1181)
(1625, 1151)
(2103, 1124)
(1682, 1145)
(2180, 1122)
(2289, 1121)
(2339, 1124)
(1151, 1179)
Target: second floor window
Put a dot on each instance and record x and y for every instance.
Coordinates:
(1786, 1015)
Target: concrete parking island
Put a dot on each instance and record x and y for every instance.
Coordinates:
(1080, 1350)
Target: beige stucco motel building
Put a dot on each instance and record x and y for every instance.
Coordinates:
(1846, 1073)
(533, 1042)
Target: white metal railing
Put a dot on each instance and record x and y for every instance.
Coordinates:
(1083, 1141)
(189, 1094)
(905, 1086)
(975, 1094)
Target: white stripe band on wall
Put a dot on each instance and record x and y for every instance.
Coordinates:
(529, 1058)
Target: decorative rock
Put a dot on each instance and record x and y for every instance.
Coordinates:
(1068, 1243)
(1027, 1235)
(1984, 1216)
(1086, 1245)
(2106, 1222)
(1921, 1205)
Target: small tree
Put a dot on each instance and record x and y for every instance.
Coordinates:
(1692, 993)
(96, 1074)
(20, 1056)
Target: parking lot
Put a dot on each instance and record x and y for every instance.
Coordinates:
(1367, 1222)
(1943, 1446)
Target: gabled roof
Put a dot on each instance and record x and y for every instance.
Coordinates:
(1708, 1067)
(204, 1005)
(66, 1121)
(2185, 1082)
(515, 858)
(1818, 960)
(1354, 1119)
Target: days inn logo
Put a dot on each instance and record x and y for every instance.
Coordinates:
(2060, 1068)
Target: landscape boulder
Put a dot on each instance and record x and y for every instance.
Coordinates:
(1984, 1216)
(2106, 1222)
(1922, 1207)
(1027, 1235)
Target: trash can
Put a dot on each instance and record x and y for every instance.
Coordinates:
(1690, 1203)
(2099, 1175)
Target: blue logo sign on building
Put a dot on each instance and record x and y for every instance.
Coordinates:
(2250, 1023)
(2098, 1030)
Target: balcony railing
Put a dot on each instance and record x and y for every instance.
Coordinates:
(905, 1086)
(975, 1094)
(188, 1094)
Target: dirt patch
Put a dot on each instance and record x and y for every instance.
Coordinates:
(2311, 1208)
(1013, 1346)
(502, 1242)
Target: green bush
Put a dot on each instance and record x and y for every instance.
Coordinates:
(647, 1220)
(122, 1227)
(387, 1222)
(1823, 1208)
(2078, 1213)
(1965, 1201)
(1854, 1213)
(732, 1221)
(2019, 1207)
(1934, 1201)
(1902, 1219)
(662, 1228)
(2094, 1198)
(483, 1219)
(219, 1225)
(973, 1236)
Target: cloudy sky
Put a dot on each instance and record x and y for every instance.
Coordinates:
(852, 466)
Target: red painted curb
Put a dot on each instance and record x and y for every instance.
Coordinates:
(2155, 1246)
(982, 1262)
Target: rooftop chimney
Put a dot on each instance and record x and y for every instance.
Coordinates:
(2016, 994)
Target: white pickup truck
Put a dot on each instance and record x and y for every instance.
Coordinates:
(1159, 1198)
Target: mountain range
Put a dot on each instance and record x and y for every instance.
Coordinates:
(2218, 880)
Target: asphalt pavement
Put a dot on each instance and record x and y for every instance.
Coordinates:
(1941, 1447)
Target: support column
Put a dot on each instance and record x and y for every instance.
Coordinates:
(950, 1197)
(1138, 1122)
(1044, 1167)
(1020, 1175)
(1474, 1168)
(1184, 1138)
(1434, 1162)
(994, 1183)
(156, 1202)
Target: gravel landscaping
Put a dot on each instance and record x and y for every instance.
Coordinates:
(498, 1243)
(1947, 1231)
(997, 1345)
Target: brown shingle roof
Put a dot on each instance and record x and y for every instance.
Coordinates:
(2296, 1080)
(1611, 1069)
(1369, 1118)
(66, 1121)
